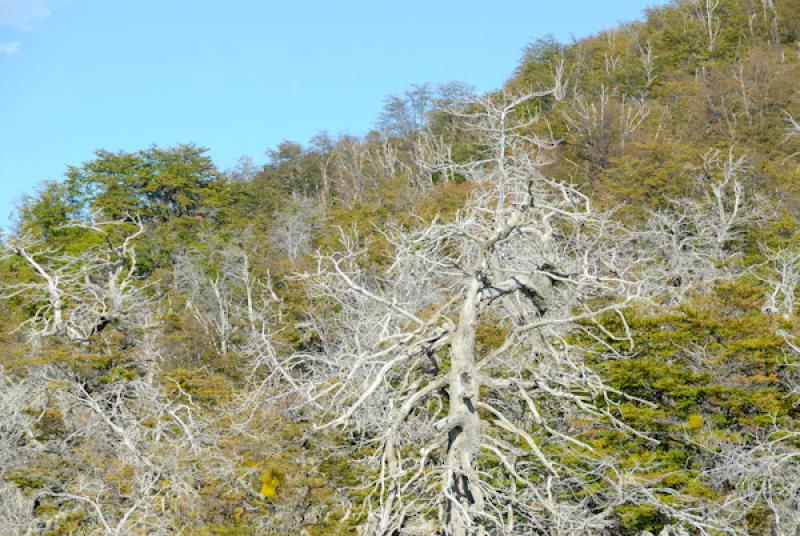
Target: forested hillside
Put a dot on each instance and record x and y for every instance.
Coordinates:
(567, 307)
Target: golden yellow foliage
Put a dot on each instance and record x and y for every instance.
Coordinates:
(269, 483)
(694, 422)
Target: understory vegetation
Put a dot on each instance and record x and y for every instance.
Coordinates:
(566, 307)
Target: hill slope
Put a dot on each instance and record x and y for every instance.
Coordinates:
(568, 307)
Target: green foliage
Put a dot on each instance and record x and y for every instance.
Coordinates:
(199, 384)
(155, 184)
(45, 213)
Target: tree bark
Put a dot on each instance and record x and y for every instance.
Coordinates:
(463, 496)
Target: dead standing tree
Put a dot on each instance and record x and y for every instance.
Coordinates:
(471, 432)
(125, 426)
(695, 238)
(78, 296)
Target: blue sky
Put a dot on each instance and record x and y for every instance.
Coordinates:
(239, 76)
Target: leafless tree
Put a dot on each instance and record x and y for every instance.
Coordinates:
(456, 361)
(705, 12)
(790, 373)
(132, 455)
(604, 123)
(430, 153)
(224, 296)
(561, 81)
(611, 56)
(760, 477)
(17, 436)
(245, 169)
(16, 511)
(783, 278)
(694, 236)
(648, 62)
(294, 224)
(78, 296)
(350, 174)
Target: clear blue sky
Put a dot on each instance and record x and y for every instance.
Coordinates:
(239, 76)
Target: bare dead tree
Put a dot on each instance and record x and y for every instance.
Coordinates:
(790, 373)
(472, 434)
(603, 122)
(694, 236)
(244, 170)
(209, 300)
(349, 169)
(294, 224)
(226, 298)
(100, 498)
(783, 278)
(385, 158)
(128, 445)
(16, 511)
(431, 153)
(133, 454)
(561, 81)
(727, 209)
(611, 56)
(323, 146)
(705, 13)
(647, 60)
(17, 438)
(761, 476)
(632, 113)
(78, 296)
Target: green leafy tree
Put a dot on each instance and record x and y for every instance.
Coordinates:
(156, 184)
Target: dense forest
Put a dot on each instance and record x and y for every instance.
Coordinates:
(567, 307)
